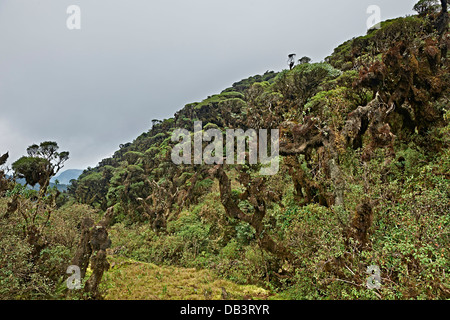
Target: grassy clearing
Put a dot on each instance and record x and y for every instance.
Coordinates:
(133, 280)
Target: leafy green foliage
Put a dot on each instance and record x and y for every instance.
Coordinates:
(303, 81)
(243, 85)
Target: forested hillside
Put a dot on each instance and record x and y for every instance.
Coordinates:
(363, 184)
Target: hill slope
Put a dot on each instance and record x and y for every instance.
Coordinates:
(363, 179)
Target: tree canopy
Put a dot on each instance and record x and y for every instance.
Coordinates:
(42, 163)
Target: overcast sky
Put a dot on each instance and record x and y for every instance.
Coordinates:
(136, 60)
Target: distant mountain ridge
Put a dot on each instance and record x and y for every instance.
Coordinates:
(63, 178)
(66, 176)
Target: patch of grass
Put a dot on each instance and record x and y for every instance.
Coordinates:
(133, 280)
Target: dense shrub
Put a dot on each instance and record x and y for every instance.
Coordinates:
(23, 275)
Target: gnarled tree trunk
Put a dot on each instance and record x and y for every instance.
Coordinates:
(92, 249)
(256, 195)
